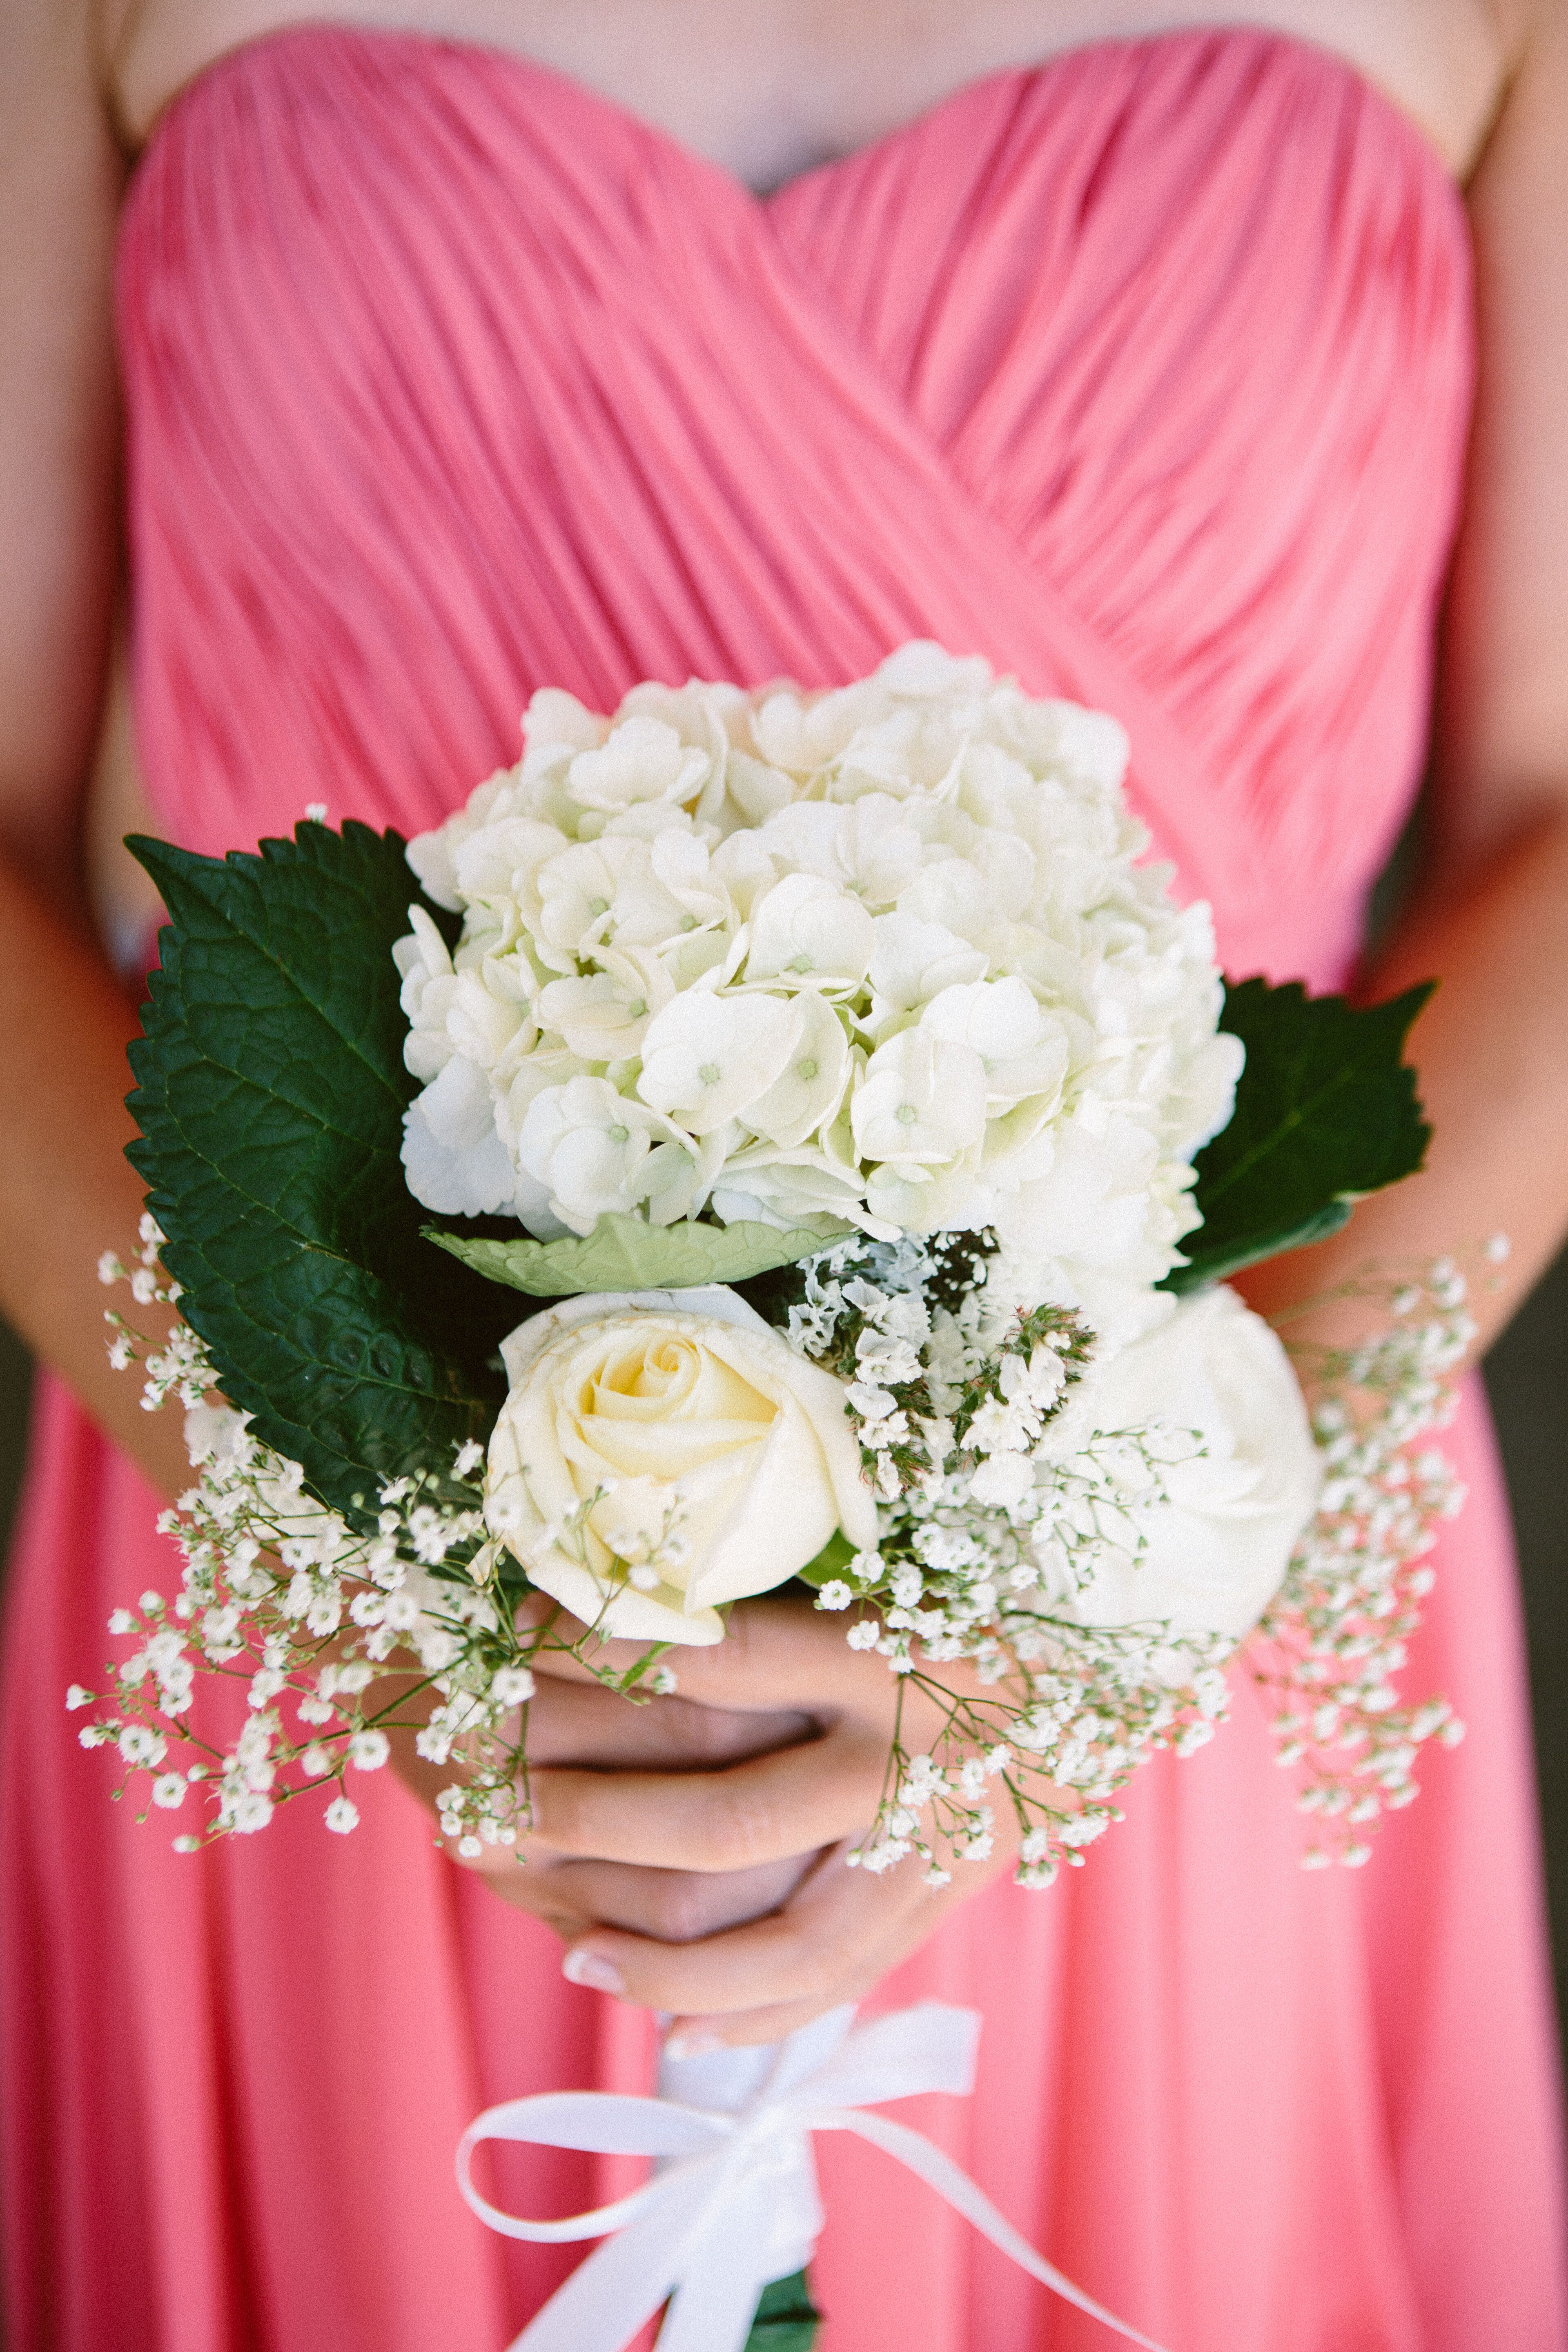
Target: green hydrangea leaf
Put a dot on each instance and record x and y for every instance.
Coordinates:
(623, 1253)
(271, 1093)
(1326, 1112)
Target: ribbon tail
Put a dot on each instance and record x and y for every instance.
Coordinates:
(951, 2181)
(624, 2281)
(714, 2305)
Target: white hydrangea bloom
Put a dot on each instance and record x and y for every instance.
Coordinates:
(586, 1145)
(884, 953)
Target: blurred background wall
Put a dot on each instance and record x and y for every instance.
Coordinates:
(1527, 1374)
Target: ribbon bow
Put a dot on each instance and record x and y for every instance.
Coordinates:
(735, 2204)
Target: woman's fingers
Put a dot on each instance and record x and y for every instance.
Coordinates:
(584, 1726)
(581, 1724)
(774, 1655)
(671, 1906)
(676, 1906)
(763, 1811)
(833, 1939)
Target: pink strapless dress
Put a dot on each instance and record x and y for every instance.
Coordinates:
(1145, 374)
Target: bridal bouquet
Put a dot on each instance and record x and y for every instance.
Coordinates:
(764, 1141)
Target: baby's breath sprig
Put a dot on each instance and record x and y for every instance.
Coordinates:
(861, 1313)
(179, 1367)
(979, 1552)
(1014, 1389)
(1057, 1743)
(1338, 1628)
(979, 1559)
(340, 1634)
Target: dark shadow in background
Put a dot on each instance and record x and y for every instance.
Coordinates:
(1527, 1378)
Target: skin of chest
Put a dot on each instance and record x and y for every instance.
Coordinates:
(769, 88)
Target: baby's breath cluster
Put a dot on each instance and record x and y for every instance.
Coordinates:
(337, 1634)
(1017, 1511)
(1003, 1508)
(179, 1368)
(1337, 1634)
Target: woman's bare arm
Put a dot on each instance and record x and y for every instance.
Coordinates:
(1490, 915)
(66, 1190)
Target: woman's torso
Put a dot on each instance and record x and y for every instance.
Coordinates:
(768, 92)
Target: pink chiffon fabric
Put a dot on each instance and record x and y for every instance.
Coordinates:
(1147, 375)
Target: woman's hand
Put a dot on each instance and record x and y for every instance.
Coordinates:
(703, 1873)
(579, 1729)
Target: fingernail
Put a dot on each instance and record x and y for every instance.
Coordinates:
(692, 2045)
(591, 1968)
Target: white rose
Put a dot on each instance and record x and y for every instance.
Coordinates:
(720, 1461)
(1218, 1543)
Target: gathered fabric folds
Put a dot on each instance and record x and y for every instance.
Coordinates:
(1146, 374)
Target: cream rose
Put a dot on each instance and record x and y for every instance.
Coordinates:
(1218, 1543)
(712, 1460)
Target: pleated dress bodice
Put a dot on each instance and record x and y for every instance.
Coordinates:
(1144, 373)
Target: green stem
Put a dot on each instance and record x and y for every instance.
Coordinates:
(787, 2318)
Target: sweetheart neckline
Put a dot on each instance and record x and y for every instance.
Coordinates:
(629, 122)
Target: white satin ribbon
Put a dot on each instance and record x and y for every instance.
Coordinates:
(736, 2200)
